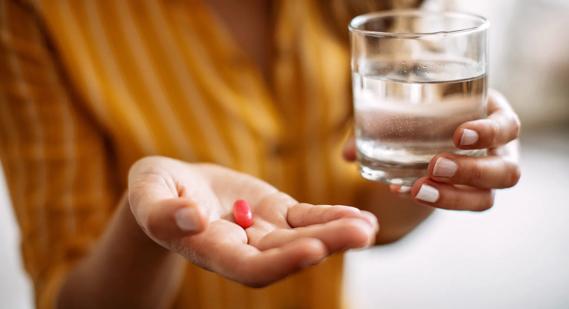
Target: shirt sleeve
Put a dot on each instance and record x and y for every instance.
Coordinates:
(54, 155)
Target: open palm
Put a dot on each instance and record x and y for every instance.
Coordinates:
(286, 236)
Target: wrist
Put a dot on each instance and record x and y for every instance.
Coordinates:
(123, 262)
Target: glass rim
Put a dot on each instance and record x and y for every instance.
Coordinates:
(358, 21)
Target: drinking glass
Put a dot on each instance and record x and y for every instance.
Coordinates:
(416, 77)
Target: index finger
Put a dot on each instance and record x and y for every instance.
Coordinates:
(501, 126)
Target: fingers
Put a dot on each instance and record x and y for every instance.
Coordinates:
(485, 173)
(372, 219)
(258, 269)
(172, 219)
(337, 235)
(349, 151)
(501, 126)
(446, 196)
(306, 214)
(223, 248)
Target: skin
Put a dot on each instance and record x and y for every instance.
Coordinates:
(472, 186)
(139, 261)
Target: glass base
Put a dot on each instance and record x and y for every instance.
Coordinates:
(399, 173)
(393, 174)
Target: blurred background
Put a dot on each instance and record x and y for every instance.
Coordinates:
(513, 256)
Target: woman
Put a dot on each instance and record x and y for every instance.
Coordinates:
(260, 87)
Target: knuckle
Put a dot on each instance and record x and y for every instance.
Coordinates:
(453, 201)
(343, 212)
(474, 175)
(494, 131)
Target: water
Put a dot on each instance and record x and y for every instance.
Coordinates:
(407, 112)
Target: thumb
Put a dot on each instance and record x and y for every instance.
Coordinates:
(157, 205)
(175, 218)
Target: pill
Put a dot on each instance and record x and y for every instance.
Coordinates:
(242, 213)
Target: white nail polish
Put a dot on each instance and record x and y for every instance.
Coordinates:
(428, 194)
(444, 168)
(404, 189)
(186, 219)
(469, 137)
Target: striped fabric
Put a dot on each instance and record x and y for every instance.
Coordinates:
(88, 87)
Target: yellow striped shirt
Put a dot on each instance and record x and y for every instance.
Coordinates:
(88, 87)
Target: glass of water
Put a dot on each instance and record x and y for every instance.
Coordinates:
(416, 77)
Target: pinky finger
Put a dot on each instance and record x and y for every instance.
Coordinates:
(447, 196)
(262, 268)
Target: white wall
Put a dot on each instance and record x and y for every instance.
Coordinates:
(529, 54)
(15, 290)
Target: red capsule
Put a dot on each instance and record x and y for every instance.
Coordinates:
(242, 213)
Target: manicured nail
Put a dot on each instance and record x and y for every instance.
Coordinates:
(186, 219)
(404, 189)
(444, 168)
(428, 194)
(469, 137)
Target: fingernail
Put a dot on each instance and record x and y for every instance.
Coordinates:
(404, 189)
(428, 194)
(444, 168)
(186, 219)
(469, 137)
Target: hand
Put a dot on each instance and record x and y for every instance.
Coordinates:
(466, 183)
(187, 208)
